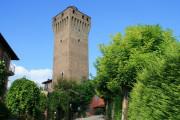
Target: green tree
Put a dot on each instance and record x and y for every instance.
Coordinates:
(70, 97)
(82, 94)
(156, 93)
(42, 107)
(59, 100)
(107, 70)
(23, 98)
(126, 57)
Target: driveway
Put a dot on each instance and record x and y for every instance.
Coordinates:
(97, 117)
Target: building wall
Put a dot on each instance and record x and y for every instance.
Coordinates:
(48, 87)
(4, 56)
(1, 52)
(71, 29)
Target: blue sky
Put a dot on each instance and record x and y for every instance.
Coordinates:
(27, 25)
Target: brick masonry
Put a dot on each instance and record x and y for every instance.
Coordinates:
(71, 29)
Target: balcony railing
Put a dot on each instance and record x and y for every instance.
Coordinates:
(11, 70)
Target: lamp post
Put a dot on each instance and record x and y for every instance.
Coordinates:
(55, 115)
(26, 114)
(17, 112)
(79, 108)
(70, 114)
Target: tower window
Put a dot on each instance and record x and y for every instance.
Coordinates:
(82, 16)
(61, 41)
(62, 75)
(62, 14)
(78, 40)
(87, 19)
(73, 11)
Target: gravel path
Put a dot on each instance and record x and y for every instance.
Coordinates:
(97, 117)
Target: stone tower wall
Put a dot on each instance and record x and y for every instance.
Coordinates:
(71, 28)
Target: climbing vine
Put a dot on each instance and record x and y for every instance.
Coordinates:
(2, 77)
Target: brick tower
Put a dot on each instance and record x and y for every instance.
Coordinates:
(71, 28)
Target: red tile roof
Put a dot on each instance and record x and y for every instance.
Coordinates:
(97, 102)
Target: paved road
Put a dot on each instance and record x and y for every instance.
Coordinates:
(97, 117)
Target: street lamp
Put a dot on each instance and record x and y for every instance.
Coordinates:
(26, 114)
(79, 108)
(18, 113)
(54, 115)
(70, 108)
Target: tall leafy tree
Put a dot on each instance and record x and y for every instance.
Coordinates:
(126, 56)
(156, 93)
(107, 71)
(23, 98)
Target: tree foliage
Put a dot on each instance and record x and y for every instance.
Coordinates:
(142, 48)
(2, 77)
(42, 102)
(82, 94)
(156, 94)
(125, 56)
(23, 97)
(70, 97)
(107, 69)
(60, 97)
(3, 109)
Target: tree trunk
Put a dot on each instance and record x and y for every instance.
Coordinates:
(112, 110)
(109, 109)
(125, 104)
(106, 109)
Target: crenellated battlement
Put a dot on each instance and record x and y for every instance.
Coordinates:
(73, 18)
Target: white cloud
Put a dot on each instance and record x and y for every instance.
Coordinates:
(37, 75)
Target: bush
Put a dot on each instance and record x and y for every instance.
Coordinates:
(23, 98)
